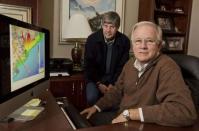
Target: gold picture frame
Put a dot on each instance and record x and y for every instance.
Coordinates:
(65, 14)
(17, 12)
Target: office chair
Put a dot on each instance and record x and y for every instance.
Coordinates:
(190, 70)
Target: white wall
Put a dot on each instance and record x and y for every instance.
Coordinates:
(131, 15)
(193, 48)
(59, 51)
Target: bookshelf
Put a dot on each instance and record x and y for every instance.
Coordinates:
(173, 16)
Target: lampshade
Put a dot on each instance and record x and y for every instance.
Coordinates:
(78, 28)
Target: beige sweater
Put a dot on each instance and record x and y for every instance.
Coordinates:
(160, 91)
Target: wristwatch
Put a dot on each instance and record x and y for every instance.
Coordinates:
(126, 114)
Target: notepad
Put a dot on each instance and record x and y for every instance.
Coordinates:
(26, 113)
(31, 112)
(33, 102)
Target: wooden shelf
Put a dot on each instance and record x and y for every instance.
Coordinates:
(169, 33)
(169, 13)
(175, 25)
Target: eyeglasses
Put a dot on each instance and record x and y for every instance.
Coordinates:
(145, 41)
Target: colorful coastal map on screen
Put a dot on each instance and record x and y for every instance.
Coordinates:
(27, 54)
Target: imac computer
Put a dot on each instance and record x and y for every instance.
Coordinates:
(24, 58)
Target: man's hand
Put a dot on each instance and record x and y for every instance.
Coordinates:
(89, 111)
(103, 88)
(110, 86)
(119, 118)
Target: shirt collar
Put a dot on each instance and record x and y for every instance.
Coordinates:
(109, 42)
(140, 67)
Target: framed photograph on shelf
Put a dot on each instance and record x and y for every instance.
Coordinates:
(164, 44)
(166, 23)
(175, 43)
(92, 9)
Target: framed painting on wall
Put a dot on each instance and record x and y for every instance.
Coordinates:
(92, 9)
(17, 12)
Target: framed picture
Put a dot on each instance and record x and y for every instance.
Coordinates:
(166, 23)
(92, 9)
(175, 43)
(18, 12)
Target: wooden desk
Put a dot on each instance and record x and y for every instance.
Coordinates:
(138, 126)
(53, 119)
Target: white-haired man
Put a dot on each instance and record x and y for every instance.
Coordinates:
(150, 88)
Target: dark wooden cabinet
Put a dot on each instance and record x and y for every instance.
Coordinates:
(173, 16)
(72, 87)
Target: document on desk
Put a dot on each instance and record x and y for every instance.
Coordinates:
(33, 102)
(31, 112)
(26, 113)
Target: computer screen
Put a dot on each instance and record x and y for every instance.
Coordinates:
(27, 56)
(24, 57)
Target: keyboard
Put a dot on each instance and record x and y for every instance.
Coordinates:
(73, 115)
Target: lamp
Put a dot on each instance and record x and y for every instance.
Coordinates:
(77, 31)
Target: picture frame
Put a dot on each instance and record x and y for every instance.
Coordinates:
(166, 23)
(164, 44)
(175, 43)
(17, 12)
(65, 14)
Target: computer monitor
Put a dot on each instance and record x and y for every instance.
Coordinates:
(24, 63)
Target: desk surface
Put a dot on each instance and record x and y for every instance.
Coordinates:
(52, 119)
